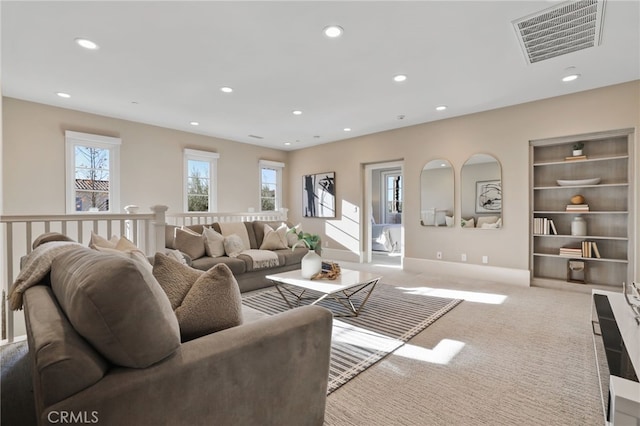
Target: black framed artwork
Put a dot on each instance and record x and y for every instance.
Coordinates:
(319, 195)
(488, 196)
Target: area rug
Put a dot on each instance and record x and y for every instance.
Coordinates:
(389, 319)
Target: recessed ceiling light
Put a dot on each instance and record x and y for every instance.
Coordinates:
(400, 78)
(194, 123)
(441, 107)
(297, 112)
(287, 143)
(570, 77)
(333, 31)
(63, 95)
(87, 44)
(226, 89)
(570, 74)
(347, 129)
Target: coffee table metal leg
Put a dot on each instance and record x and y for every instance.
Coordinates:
(354, 311)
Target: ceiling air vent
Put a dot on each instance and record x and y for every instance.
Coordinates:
(562, 29)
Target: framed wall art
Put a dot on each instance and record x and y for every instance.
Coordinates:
(319, 195)
(488, 196)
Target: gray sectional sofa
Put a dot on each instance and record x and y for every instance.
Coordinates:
(106, 349)
(248, 277)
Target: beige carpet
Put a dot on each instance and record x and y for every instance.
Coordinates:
(525, 358)
(528, 360)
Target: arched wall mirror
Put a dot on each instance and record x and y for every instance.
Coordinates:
(437, 194)
(481, 193)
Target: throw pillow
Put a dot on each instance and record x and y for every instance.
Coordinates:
(48, 237)
(467, 223)
(274, 239)
(190, 242)
(124, 247)
(175, 278)
(98, 241)
(116, 305)
(213, 242)
(233, 245)
(212, 304)
(236, 228)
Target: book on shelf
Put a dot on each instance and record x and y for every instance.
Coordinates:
(544, 226)
(577, 207)
(575, 157)
(586, 249)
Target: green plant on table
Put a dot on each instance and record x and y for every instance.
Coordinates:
(311, 241)
(578, 146)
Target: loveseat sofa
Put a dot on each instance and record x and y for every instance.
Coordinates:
(249, 276)
(106, 349)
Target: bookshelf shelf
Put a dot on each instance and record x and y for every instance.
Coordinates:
(608, 215)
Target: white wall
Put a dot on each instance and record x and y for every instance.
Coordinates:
(151, 161)
(33, 156)
(504, 133)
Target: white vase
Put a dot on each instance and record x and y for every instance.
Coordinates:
(578, 226)
(311, 264)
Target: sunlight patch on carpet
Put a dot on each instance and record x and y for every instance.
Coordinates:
(469, 296)
(390, 318)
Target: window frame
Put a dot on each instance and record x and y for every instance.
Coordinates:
(74, 139)
(212, 159)
(278, 167)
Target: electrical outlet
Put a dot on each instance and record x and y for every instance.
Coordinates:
(485, 259)
(439, 255)
(463, 257)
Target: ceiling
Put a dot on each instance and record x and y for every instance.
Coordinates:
(163, 63)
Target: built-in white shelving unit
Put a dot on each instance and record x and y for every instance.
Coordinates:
(609, 219)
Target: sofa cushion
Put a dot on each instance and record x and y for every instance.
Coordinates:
(233, 245)
(237, 266)
(212, 304)
(259, 230)
(213, 242)
(291, 257)
(239, 229)
(274, 239)
(64, 362)
(190, 242)
(116, 305)
(174, 277)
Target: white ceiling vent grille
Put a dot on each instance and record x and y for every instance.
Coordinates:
(559, 30)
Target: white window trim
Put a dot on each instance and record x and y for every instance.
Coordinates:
(212, 159)
(95, 141)
(278, 166)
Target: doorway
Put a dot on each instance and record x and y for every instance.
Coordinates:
(384, 199)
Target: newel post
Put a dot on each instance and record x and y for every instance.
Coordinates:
(158, 228)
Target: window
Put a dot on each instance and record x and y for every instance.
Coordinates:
(270, 185)
(92, 173)
(200, 175)
(392, 193)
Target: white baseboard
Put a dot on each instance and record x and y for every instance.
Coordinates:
(511, 276)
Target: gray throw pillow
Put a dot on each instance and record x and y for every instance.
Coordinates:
(174, 277)
(190, 242)
(48, 237)
(212, 304)
(116, 305)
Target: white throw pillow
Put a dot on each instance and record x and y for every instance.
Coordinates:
(468, 223)
(213, 242)
(274, 239)
(486, 220)
(233, 245)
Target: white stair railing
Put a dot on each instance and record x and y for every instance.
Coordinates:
(202, 218)
(19, 231)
